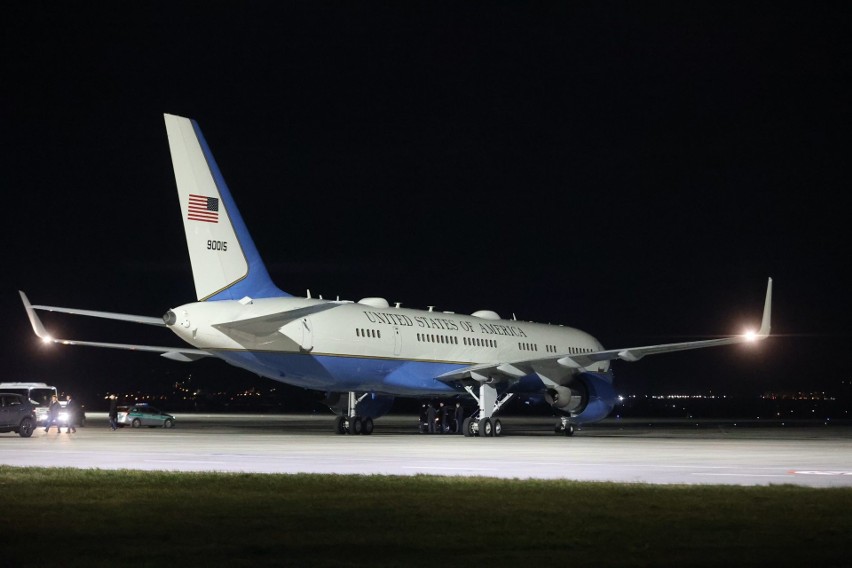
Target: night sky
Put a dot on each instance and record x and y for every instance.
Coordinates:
(636, 170)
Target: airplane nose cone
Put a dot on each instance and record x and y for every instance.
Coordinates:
(169, 318)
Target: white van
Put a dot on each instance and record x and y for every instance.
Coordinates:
(38, 393)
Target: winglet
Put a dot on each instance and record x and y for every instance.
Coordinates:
(766, 322)
(38, 327)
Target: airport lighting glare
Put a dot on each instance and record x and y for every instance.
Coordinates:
(47, 339)
(750, 335)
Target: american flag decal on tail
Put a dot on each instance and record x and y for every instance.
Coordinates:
(203, 208)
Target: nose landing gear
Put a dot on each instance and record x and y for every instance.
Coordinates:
(565, 427)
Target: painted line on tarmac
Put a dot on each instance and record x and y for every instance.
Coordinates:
(741, 474)
(205, 462)
(629, 465)
(819, 472)
(450, 468)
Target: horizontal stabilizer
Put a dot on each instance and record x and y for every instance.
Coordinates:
(176, 353)
(107, 315)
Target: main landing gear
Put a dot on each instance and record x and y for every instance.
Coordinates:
(352, 423)
(486, 427)
(483, 423)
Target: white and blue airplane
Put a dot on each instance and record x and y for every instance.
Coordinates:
(365, 353)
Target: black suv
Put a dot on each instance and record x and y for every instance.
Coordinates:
(17, 414)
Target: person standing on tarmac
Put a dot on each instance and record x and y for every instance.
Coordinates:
(459, 418)
(445, 423)
(53, 414)
(113, 413)
(71, 412)
(430, 418)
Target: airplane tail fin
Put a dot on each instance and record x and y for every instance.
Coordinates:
(225, 261)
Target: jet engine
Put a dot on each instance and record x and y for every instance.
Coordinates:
(572, 399)
(588, 398)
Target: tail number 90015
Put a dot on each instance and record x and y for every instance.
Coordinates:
(217, 245)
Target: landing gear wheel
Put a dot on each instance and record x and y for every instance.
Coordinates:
(356, 426)
(498, 428)
(486, 429)
(569, 429)
(467, 427)
(367, 426)
(340, 425)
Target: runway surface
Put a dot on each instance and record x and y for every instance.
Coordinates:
(674, 452)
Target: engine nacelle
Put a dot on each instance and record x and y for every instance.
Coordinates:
(588, 398)
(573, 398)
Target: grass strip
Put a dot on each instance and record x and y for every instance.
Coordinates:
(139, 518)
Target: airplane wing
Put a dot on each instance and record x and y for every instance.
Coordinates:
(175, 353)
(515, 369)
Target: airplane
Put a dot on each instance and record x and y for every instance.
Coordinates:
(363, 354)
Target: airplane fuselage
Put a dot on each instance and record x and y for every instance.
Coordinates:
(364, 346)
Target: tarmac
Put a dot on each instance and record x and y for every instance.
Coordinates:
(812, 454)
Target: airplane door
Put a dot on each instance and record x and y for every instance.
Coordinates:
(397, 341)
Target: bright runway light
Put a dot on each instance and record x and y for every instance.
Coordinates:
(750, 335)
